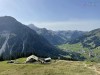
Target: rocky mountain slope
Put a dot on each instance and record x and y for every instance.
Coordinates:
(18, 40)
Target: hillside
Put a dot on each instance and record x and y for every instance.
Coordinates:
(90, 39)
(90, 54)
(60, 67)
(18, 40)
(87, 45)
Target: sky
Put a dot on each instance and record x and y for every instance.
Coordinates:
(81, 15)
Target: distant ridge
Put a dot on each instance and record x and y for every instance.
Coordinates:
(57, 37)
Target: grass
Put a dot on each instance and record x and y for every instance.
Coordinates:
(78, 48)
(72, 47)
(60, 67)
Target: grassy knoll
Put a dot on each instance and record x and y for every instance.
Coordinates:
(60, 67)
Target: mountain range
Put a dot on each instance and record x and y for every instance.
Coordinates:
(18, 40)
(87, 43)
(57, 37)
(90, 39)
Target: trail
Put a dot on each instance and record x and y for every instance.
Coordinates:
(93, 68)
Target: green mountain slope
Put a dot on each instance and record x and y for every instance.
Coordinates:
(87, 45)
(90, 39)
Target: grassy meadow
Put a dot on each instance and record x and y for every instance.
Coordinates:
(58, 67)
(78, 48)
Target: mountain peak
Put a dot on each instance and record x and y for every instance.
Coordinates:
(7, 18)
(32, 26)
(18, 40)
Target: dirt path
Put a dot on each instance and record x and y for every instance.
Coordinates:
(92, 68)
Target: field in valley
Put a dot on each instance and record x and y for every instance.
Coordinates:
(58, 67)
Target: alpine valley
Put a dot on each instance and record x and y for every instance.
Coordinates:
(19, 40)
(86, 43)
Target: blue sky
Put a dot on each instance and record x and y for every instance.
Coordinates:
(54, 14)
